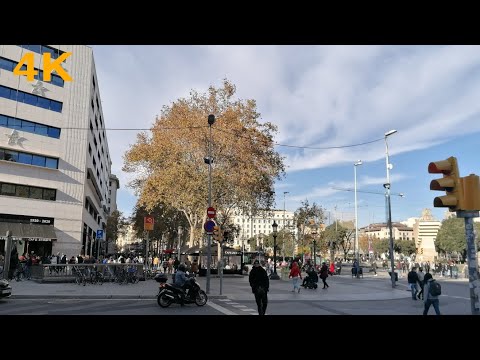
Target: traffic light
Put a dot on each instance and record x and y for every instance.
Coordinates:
(421, 251)
(451, 183)
(471, 192)
(217, 234)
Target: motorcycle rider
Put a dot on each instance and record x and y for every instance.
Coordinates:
(181, 282)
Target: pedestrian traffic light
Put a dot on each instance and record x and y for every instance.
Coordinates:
(451, 183)
(217, 234)
(421, 251)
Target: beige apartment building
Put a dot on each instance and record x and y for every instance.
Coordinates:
(56, 186)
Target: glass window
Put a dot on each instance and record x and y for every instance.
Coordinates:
(36, 193)
(6, 64)
(11, 155)
(8, 189)
(46, 49)
(57, 80)
(38, 160)
(4, 92)
(55, 106)
(21, 97)
(41, 129)
(25, 158)
(43, 103)
(49, 194)
(3, 120)
(34, 48)
(21, 191)
(30, 99)
(14, 123)
(51, 163)
(54, 132)
(28, 126)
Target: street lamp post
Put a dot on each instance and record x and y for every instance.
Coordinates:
(357, 255)
(274, 276)
(284, 219)
(387, 194)
(314, 233)
(180, 231)
(211, 121)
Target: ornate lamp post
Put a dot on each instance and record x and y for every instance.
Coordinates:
(274, 276)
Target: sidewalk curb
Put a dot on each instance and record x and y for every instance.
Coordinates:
(96, 297)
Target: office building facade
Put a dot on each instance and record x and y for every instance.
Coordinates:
(55, 166)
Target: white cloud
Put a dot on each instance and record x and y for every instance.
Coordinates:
(317, 95)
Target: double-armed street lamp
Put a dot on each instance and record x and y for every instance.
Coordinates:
(357, 250)
(274, 276)
(387, 194)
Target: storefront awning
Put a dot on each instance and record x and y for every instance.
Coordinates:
(30, 232)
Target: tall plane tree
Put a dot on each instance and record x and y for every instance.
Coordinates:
(169, 163)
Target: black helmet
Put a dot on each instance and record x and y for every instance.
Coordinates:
(181, 267)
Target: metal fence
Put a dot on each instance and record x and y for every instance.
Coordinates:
(67, 272)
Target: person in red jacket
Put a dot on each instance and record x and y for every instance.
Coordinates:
(332, 268)
(295, 275)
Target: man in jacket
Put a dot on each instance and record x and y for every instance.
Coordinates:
(259, 282)
(429, 299)
(412, 282)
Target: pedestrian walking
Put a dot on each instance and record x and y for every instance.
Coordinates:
(295, 275)
(374, 267)
(324, 275)
(430, 299)
(421, 279)
(260, 284)
(412, 279)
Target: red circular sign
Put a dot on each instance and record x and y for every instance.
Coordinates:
(211, 212)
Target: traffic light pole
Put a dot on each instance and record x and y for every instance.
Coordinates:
(471, 258)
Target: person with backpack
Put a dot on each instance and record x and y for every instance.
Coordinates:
(432, 290)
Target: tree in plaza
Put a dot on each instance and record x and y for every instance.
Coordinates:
(346, 237)
(167, 219)
(451, 237)
(116, 225)
(406, 247)
(306, 217)
(363, 242)
(169, 165)
(381, 245)
(285, 244)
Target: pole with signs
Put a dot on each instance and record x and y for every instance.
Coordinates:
(148, 223)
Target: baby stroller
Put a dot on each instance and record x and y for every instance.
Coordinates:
(311, 280)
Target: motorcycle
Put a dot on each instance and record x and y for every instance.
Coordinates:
(169, 293)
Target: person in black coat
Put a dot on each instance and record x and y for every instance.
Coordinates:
(260, 284)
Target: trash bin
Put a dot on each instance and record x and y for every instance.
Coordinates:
(396, 275)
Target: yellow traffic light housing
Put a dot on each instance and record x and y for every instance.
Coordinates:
(451, 183)
(217, 233)
(471, 192)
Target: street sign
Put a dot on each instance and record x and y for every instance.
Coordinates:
(148, 223)
(209, 225)
(211, 212)
(99, 234)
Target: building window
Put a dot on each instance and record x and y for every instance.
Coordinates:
(9, 65)
(40, 49)
(29, 159)
(30, 99)
(26, 191)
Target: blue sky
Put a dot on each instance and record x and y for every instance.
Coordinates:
(319, 96)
